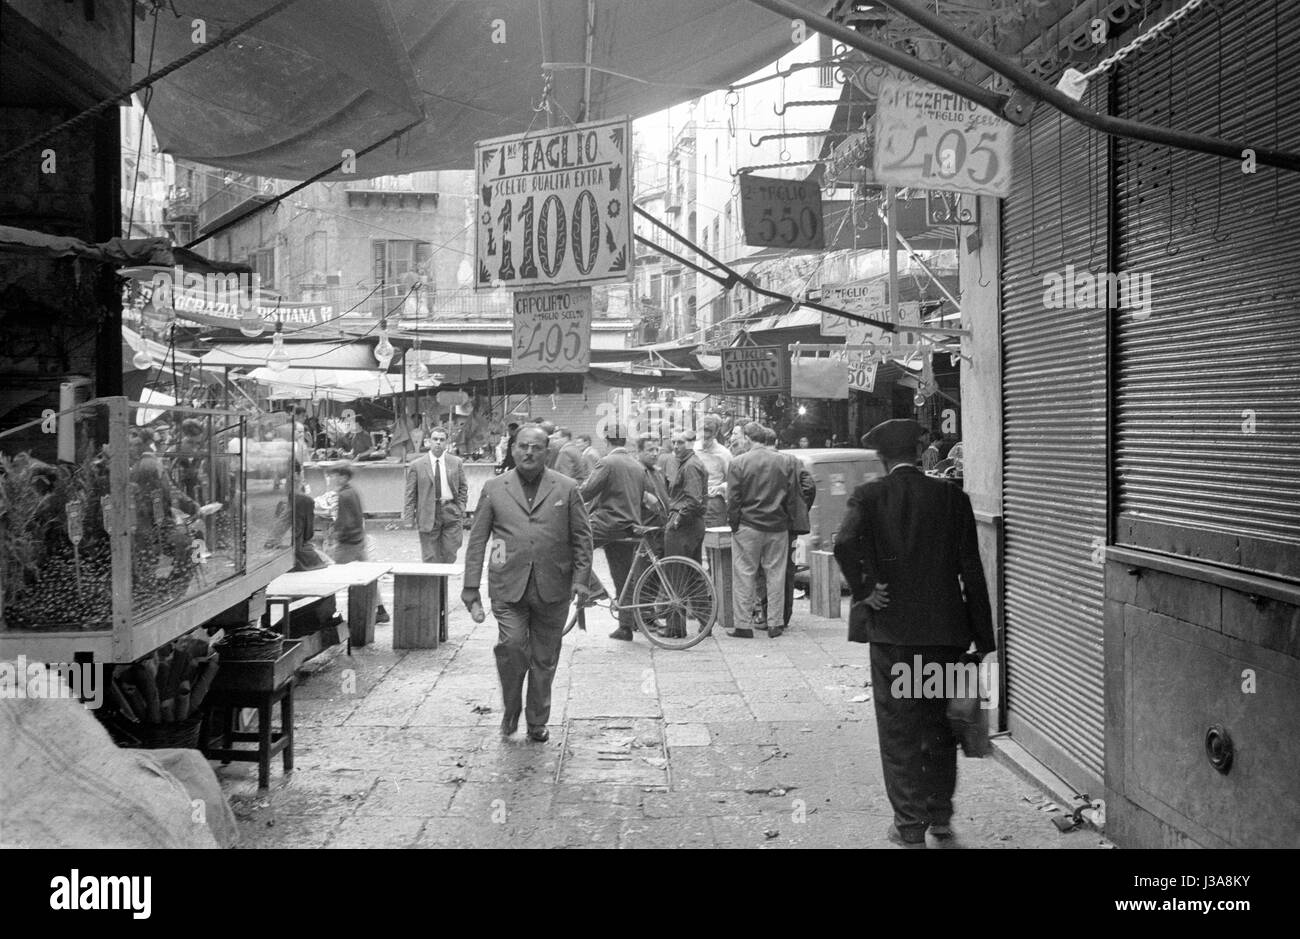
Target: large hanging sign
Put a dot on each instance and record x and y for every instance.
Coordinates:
(781, 213)
(552, 331)
(555, 207)
(752, 370)
(928, 138)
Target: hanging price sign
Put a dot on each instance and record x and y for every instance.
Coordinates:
(781, 213)
(555, 207)
(752, 370)
(552, 331)
(928, 138)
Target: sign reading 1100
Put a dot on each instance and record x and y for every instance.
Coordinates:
(554, 207)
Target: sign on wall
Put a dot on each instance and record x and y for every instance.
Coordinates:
(555, 207)
(781, 213)
(928, 138)
(752, 370)
(552, 330)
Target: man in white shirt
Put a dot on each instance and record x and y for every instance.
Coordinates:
(436, 494)
(716, 459)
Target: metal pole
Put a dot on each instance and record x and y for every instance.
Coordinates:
(891, 223)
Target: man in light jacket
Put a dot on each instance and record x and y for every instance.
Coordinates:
(436, 494)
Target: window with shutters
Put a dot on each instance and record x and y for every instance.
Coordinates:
(392, 259)
(263, 265)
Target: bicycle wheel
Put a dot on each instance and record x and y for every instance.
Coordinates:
(674, 603)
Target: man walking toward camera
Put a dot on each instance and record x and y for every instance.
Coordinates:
(436, 494)
(909, 552)
(532, 526)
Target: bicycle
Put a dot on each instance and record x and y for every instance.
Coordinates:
(672, 599)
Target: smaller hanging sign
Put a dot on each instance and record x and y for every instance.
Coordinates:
(552, 331)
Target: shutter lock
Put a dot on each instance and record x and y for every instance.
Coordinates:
(1218, 748)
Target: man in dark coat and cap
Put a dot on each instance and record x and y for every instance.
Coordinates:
(909, 552)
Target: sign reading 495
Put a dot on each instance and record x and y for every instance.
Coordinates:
(928, 138)
(552, 331)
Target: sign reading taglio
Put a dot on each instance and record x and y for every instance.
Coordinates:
(752, 370)
(928, 138)
(781, 213)
(552, 331)
(555, 207)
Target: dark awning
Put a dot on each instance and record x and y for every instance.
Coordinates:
(286, 98)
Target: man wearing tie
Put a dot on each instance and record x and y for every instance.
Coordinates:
(435, 500)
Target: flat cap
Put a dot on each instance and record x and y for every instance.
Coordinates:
(893, 436)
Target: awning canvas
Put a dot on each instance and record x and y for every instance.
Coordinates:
(289, 96)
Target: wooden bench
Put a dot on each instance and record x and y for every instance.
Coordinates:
(361, 578)
(420, 604)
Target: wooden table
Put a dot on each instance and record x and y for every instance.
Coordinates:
(420, 604)
(361, 578)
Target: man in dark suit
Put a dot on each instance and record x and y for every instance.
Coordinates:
(615, 491)
(539, 556)
(569, 460)
(909, 552)
(436, 493)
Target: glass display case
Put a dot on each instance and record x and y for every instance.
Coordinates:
(123, 525)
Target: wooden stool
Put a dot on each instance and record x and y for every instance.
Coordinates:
(256, 684)
(717, 546)
(420, 604)
(824, 584)
(229, 702)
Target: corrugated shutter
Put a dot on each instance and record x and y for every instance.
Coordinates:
(1054, 471)
(1220, 346)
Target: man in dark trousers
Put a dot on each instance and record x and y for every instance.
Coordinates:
(532, 527)
(909, 552)
(350, 524)
(614, 492)
(688, 487)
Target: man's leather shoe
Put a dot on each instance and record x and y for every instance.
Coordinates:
(775, 631)
(509, 723)
(897, 837)
(621, 633)
(540, 734)
(381, 615)
(740, 633)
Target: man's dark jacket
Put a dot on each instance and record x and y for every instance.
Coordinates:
(757, 483)
(917, 535)
(614, 491)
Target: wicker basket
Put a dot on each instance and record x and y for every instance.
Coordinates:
(183, 734)
(257, 651)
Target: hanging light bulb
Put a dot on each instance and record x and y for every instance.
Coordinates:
(142, 359)
(384, 350)
(279, 358)
(251, 324)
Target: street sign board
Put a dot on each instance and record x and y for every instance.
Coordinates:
(752, 370)
(866, 298)
(781, 213)
(928, 138)
(552, 331)
(555, 207)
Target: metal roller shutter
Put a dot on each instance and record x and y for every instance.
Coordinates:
(1054, 456)
(1194, 477)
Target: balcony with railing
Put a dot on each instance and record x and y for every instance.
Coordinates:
(236, 198)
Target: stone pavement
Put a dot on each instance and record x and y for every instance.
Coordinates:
(734, 743)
